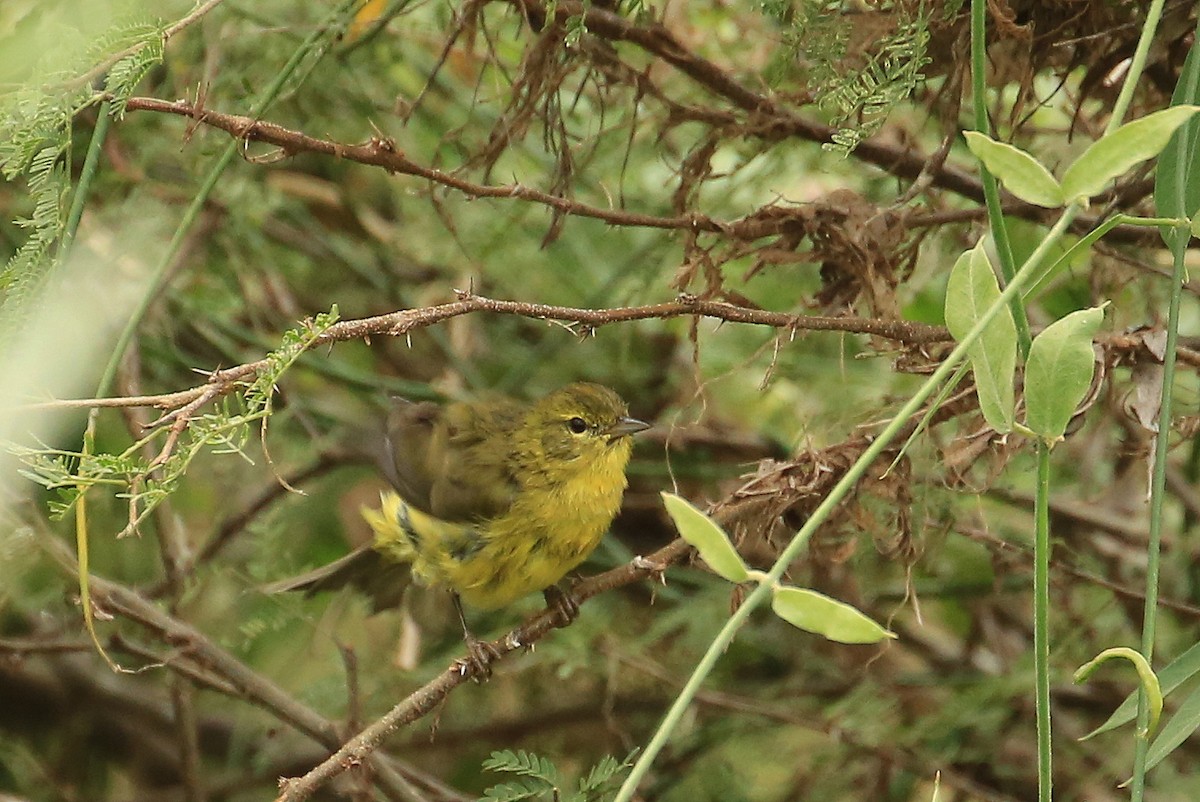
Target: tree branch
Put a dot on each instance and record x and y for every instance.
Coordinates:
(400, 323)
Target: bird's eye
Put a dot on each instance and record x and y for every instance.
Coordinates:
(577, 425)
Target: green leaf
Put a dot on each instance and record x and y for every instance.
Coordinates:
(709, 539)
(604, 773)
(1059, 372)
(1020, 173)
(1112, 155)
(1179, 671)
(1145, 675)
(525, 763)
(515, 791)
(970, 292)
(817, 613)
(1181, 726)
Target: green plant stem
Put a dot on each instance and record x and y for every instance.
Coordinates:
(692, 686)
(158, 276)
(1137, 65)
(1158, 486)
(830, 503)
(86, 176)
(991, 190)
(1041, 620)
(1041, 574)
(1084, 243)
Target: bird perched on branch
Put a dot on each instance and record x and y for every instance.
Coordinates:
(494, 499)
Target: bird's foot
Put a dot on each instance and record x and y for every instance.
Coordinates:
(478, 663)
(562, 603)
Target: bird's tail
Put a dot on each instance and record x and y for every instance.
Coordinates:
(382, 579)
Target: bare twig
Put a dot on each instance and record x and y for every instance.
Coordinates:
(767, 119)
(400, 323)
(237, 523)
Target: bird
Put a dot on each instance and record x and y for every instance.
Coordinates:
(492, 499)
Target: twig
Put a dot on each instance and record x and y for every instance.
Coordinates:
(767, 119)
(400, 323)
(232, 526)
(1083, 512)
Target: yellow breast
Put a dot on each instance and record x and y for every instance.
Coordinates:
(490, 564)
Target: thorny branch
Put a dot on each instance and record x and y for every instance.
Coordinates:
(222, 382)
(182, 404)
(767, 221)
(427, 698)
(400, 323)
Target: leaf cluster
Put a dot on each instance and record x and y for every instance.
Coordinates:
(541, 780)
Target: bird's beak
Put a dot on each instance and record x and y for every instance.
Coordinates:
(626, 426)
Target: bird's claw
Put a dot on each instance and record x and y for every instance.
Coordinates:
(478, 663)
(563, 604)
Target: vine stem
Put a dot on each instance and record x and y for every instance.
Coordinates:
(1158, 488)
(991, 191)
(1041, 622)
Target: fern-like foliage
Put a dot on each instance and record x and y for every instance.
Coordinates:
(145, 484)
(812, 32)
(889, 77)
(814, 35)
(35, 144)
(144, 53)
(539, 779)
(597, 782)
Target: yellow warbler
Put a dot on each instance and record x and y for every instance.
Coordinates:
(494, 500)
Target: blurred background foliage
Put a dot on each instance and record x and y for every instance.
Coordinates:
(493, 94)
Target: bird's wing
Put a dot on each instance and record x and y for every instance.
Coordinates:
(475, 477)
(410, 465)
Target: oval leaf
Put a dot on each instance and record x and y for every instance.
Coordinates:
(1020, 173)
(1059, 372)
(1112, 155)
(970, 292)
(709, 539)
(817, 613)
